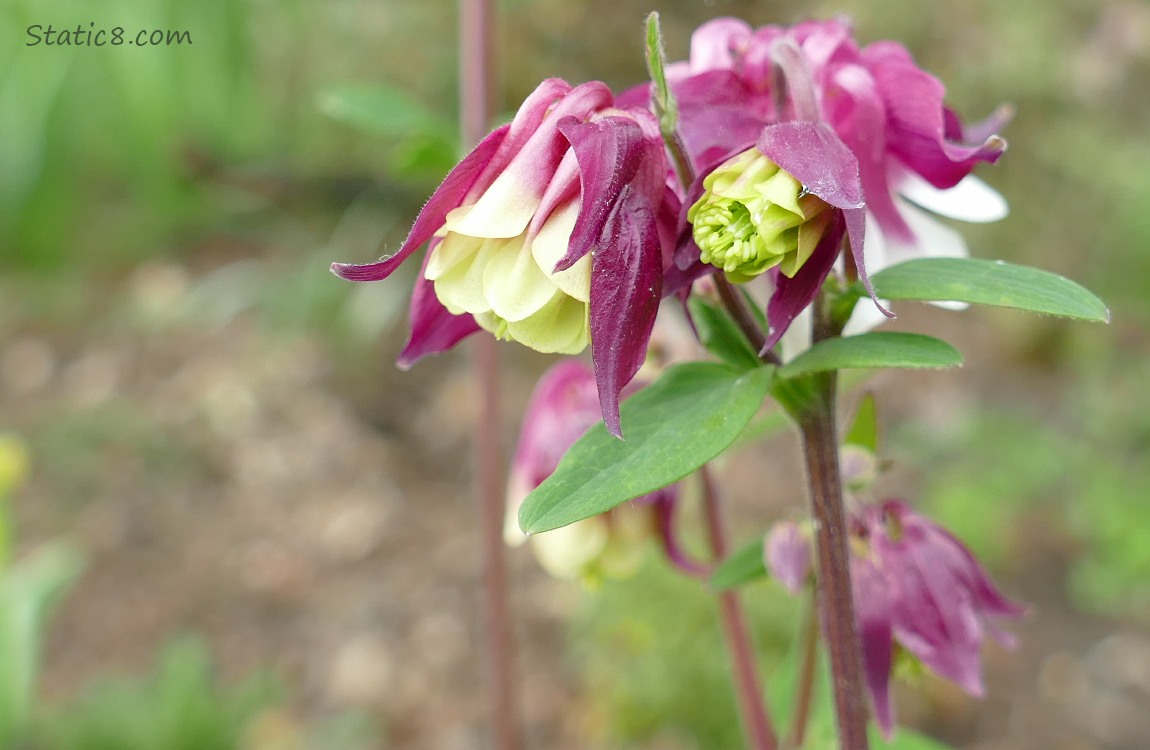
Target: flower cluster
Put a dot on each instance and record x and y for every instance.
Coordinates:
(564, 227)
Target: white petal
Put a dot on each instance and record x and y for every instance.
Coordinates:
(450, 252)
(970, 200)
(513, 283)
(460, 288)
(865, 316)
(560, 327)
(933, 239)
(549, 247)
(565, 552)
(503, 210)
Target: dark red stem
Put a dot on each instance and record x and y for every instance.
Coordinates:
(836, 603)
(748, 686)
(474, 98)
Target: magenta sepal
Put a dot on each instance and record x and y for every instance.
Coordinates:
(433, 328)
(792, 295)
(447, 196)
(813, 154)
(622, 172)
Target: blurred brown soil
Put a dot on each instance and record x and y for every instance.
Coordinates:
(245, 484)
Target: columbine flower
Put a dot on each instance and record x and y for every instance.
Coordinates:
(561, 408)
(548, 233)
(908, 150)
(754, 216)
(916, 585)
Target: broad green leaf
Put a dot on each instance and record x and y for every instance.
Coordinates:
(989, 282)
(671, 428)
(873, 350)
(721, 335)
(864, 428)
(743, 566)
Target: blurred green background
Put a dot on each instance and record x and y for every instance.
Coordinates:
(251, 538)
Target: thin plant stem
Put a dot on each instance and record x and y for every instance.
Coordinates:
(804, 688)
(748, 687)
(474, 99)
(737, 306)
(836, 605)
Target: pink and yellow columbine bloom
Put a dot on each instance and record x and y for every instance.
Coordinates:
(563, 406)
(915, 587)
(550, 233)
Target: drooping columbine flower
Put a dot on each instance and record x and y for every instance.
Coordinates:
(917, 586)
(561, 408)
(548, 234)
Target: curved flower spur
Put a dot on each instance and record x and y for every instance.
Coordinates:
(552, 232)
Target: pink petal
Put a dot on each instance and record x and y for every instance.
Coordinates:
(448, 196)
(433, 328)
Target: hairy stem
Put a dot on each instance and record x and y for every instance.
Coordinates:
(748, 687)
(836, 605)
(474, 98)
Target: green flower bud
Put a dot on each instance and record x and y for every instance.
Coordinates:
(754, 216)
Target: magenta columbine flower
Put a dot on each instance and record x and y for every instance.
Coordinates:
(550, 233)
(866, 120)
(562, 407)
(916, 585)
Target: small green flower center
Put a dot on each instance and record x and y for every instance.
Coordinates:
(754, 216)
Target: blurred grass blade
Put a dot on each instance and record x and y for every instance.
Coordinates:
(27, 592)
(744, 566)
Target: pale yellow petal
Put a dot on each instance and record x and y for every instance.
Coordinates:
(549, 247)
(513, 283)
(560, 327)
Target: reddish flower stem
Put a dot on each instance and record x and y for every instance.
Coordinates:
(804, 689)
(836, 605)
(474, 98)
(748, 687)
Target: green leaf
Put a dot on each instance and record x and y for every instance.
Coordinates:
(672, 427)
(873, 350)
(743, 566)
(721, 335)
(384, 110)
(864, 428)
(989, 282)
